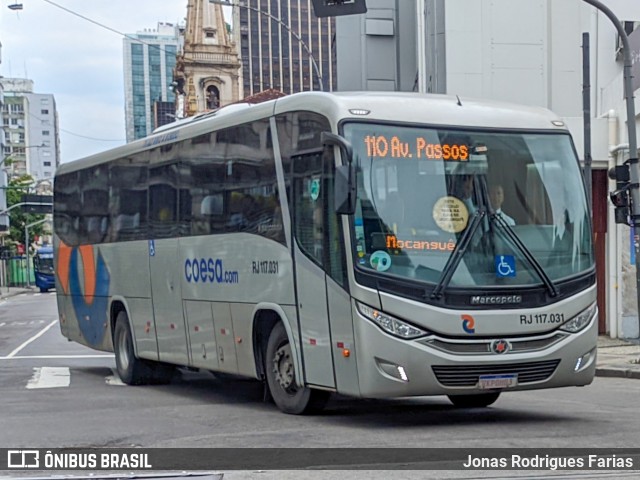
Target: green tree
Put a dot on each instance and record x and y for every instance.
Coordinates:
(17, 218)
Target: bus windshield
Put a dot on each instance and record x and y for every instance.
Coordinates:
(43, 263)
(469, 208)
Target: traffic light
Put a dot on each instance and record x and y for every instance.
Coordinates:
(37, 203)
(620, 197)
(334, 8)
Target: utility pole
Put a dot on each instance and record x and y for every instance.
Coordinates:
(628, 174)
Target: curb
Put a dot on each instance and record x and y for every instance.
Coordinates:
(14, 293)
(618, 372)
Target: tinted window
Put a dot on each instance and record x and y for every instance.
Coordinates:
(66, 213)
(128, 207)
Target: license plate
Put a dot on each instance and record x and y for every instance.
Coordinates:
(488, 382)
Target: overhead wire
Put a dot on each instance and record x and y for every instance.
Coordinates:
(113, 30)
(80, 135)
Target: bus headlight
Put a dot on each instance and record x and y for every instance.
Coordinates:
(390, 324)
(580, 321)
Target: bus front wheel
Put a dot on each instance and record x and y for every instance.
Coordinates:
(281, 377)
(474, 401)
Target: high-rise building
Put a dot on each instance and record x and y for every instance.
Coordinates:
(31, 130)
(284, 46)
(149, 59)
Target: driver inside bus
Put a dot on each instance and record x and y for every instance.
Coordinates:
(496, 196)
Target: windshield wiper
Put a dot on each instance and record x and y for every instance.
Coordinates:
(510, 234)
(457, 254)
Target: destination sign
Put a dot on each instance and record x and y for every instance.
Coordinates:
(382, 146)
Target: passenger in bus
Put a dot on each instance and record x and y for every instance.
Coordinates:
(496, 196)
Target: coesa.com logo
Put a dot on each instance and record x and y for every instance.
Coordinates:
(23, 459)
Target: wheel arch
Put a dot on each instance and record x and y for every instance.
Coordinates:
(119, 304)
(265, 317)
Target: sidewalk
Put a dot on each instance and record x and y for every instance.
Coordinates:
(616, 357)
(6, 292)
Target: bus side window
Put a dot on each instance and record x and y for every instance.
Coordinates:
(66, 216)
(163, 201)
(128, 208)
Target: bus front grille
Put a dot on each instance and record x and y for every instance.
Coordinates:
(468, 375)
(474, 347)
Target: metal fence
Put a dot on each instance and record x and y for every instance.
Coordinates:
(13, 272)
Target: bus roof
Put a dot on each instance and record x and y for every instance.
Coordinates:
(401, 107)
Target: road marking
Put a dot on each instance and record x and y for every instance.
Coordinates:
(3, 324)
(31, 357)
(50, 377)
(35, 337)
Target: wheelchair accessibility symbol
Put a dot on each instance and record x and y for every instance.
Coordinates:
(505, 266)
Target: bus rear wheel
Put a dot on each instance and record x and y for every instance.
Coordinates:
(133, 370)
(474, 401)
(130, 369)
(281, 378)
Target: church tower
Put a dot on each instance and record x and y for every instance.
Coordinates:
(206, 76)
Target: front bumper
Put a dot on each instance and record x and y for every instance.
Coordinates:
(391, 367)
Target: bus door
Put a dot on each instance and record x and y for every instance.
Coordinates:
(164, 267)
(317, 262)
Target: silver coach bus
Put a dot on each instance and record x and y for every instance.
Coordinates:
(374, 245)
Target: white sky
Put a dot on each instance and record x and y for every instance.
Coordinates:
(78, 62)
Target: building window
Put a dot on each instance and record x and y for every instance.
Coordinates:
(44, 111)
(47, 164)
(14, 121)
(46, 153)
(45, 132)
(213, 97)
(47, 174)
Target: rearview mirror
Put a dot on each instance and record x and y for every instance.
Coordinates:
(345, 190)
(345, 177)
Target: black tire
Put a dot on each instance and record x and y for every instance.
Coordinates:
(44, 290)
(161, 373)
(281, 379)
(479, 400)
(133, 370)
